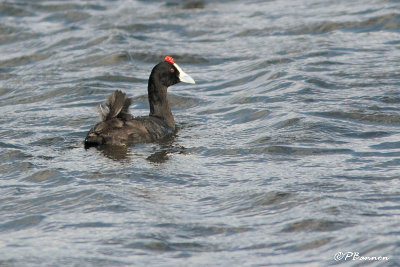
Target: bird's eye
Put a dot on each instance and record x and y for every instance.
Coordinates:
(172, 70)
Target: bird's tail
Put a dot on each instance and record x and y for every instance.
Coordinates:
(116, 106)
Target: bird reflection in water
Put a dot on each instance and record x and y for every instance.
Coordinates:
(161, 155)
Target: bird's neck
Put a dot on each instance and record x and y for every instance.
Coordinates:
(159, 106)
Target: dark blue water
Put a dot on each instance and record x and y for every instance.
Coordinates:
(287, 152)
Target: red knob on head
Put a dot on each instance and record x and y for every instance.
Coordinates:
(169, 59)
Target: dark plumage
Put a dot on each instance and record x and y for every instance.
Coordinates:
(118, 126)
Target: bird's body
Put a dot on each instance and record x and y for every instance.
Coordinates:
(118, 126)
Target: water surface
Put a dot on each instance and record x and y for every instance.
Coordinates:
(287, 151)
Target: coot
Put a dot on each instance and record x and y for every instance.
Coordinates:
(118, 126)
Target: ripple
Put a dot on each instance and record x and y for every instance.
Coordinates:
(198, 230)
(12, 9)
(11, 155)
(157, 57)
(282, 150)
(296, 109)
(320, 242)
(48, 141)
(256, 203)
(15, 168)
(246, 115)
(287, 123)
(131, 28)
(103, 60)
(41, 176)
(61, 200)
(171, 246)
(215, 111)
(114, 78)
(194, 5)
(322, 84)
(68, 16)
(8, 30)
(22, 223)
(251, 99)
(361, 116)
(367, 134)
(384, 22)
(386, 145)
(88, 225)
(175, 101)
(24, 60)
(315, 225)
(54, 7)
